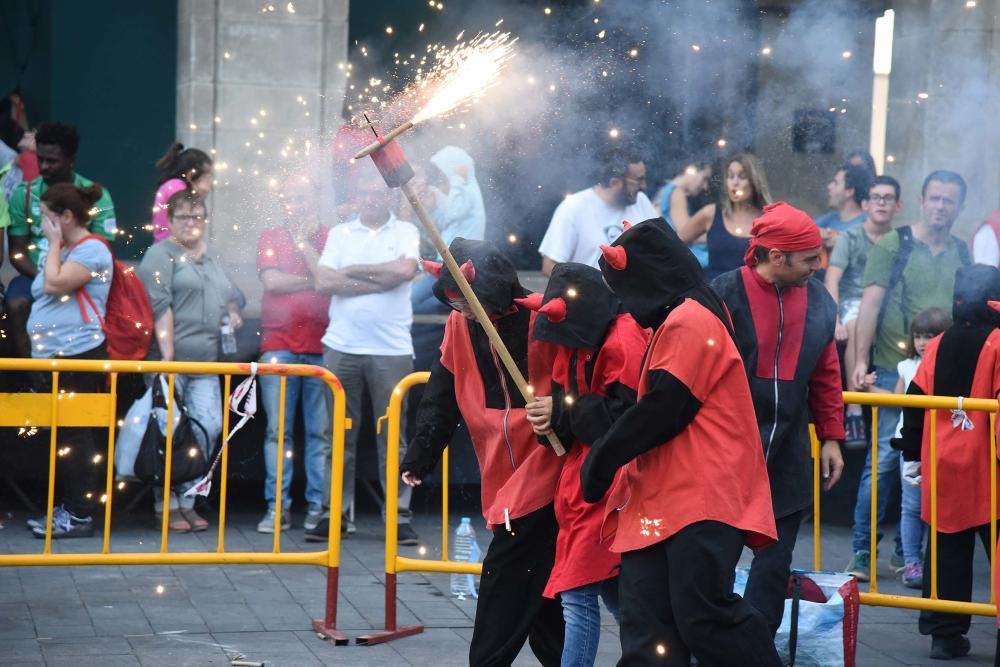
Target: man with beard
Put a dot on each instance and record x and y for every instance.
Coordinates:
(909, 269)
(588, 218)
(693, 489)
(784, 324)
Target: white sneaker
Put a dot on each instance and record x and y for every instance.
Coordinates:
(266, 525)
(313, 517)
(59, 513)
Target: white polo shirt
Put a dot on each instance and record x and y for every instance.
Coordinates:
(582, 222)
(371, 323)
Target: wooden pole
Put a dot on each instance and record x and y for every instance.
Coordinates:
(475, 305)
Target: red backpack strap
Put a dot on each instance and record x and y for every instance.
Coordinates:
(81, 292)
(99, 238)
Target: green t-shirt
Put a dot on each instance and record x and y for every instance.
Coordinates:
(928, 280)
(30, 225)
(851, 255)
(4, 206)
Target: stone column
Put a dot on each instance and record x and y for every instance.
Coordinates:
(944, 98)
(260, 85)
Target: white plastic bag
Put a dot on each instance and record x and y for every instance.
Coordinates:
(133, 429)
(827, 631)
(130, 436)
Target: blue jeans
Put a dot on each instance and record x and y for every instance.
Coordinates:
(582, 614)
(203, 400)
(315, 398)
(911, 527)
(888, 469)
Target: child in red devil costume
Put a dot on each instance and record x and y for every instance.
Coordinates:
(519, 478)
(694, 488)
(595, 376)
(963, 361)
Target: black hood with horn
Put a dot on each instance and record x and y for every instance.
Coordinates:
(577, 308)
(975, 286)
(495, 280)
(651, 270)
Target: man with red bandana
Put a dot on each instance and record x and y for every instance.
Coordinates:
(468, 382)
(784, 322)
(693, 490)
(595, 376)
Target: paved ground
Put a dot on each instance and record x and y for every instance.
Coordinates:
(206, 615)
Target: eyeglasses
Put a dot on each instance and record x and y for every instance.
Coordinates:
(882, 199)
(638, 181)
(185, 218)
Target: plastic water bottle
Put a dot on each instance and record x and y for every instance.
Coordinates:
(465, 549)
(228, 337)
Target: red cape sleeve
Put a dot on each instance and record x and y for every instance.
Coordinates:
(691, 345)
(826, 400)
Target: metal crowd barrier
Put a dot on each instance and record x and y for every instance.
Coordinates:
(394, 563)
(61, 409)
(929, 470)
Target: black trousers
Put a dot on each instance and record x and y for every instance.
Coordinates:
(677, 600)
(767, 584)
(79, 474)
(511, 607)
(954, 566)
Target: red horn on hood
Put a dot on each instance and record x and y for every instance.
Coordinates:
(615, 256)
(995, 305)
(531, 302)
(433, 268)
(469, 271)
(555, 310)
(626, 225)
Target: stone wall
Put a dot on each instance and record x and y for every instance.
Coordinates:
(260, 84)
(949, 52)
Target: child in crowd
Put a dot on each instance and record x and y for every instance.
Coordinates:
(962, 362)
(595, 377)
(928, 324)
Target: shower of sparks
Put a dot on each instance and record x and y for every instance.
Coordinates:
(463, 73)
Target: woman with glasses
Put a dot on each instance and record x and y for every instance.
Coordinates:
(192, 298)
(726, 225)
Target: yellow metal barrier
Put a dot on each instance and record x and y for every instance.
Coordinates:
(394, 563)
(932, 403)
(69, 409)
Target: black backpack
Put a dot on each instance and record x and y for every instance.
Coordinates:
(905, 234)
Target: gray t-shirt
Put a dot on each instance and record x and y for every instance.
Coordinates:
(57, 326)
(198, 291)
(851, 254)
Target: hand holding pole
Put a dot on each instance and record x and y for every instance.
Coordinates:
(475, 305)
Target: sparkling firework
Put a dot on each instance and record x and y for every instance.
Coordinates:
(460, 78)
(464, 73)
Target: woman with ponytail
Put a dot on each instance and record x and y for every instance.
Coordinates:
(181, 168)
(74, 262)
